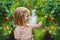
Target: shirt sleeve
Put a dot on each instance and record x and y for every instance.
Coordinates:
(17, 33)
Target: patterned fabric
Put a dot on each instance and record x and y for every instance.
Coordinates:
(23, 33)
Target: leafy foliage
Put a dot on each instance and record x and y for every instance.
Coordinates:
(47, 11)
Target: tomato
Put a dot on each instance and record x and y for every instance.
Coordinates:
(6, 18)
(52, 28)
(7, 27)
(53, 19)
(48, 18)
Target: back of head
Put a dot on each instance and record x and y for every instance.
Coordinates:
(19, 15)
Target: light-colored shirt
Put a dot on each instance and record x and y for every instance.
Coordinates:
(23, 33)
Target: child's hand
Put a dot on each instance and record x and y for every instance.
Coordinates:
(37, 25)
(40, 24)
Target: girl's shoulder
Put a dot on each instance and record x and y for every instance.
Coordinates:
(18, 27)
(22, 27)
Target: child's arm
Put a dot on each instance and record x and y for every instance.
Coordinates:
(37, 25)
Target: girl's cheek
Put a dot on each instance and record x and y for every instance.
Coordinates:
(25, 18)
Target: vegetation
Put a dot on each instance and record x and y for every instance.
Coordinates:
(47, 11)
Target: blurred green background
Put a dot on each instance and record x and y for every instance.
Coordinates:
(47, 11)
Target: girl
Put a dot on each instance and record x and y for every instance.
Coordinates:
(23, 30)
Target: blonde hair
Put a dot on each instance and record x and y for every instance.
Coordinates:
(19, 15)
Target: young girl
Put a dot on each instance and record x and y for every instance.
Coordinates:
(23, 30)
